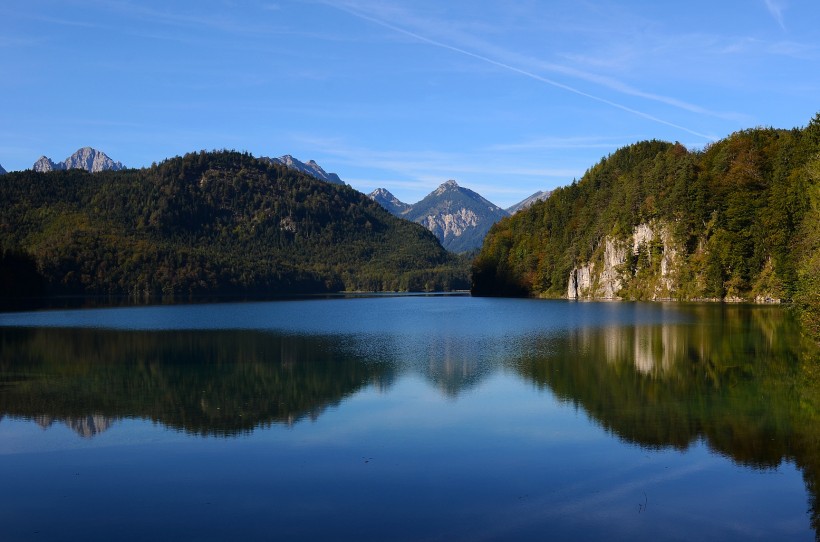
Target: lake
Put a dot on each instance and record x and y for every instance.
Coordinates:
(426, 417)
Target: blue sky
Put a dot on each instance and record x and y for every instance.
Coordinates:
(507, 98)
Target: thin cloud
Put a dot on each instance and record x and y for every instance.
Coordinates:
(776, 10)
(517, 70)
(433, 165)
(412, 174)
(59, 21)
(220, 22)
(562, 143)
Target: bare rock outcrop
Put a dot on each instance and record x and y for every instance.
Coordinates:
(91, 160)
(611, 270)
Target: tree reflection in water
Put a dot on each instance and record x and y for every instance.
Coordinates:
(743, 381)
(207, 383)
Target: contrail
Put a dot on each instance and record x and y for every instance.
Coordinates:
(519, 71)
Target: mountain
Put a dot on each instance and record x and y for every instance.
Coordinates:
(390, 202)
(737, 221)
(459, 217)
(44, 165)
(92, 161)
(208, 223)
(310, 168)
(521, 205)
(86, 158)
(2, 171)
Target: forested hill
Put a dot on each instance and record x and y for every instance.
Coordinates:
(739, 220)
(207, 223)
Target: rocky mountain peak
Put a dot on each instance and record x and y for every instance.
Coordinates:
(92, 161)
(459, 217)
(383, 197)
(447, 186)
(44, 165)
(286, 160)
(310, 168)
(381, 193)
(2, 171)
(86, 158)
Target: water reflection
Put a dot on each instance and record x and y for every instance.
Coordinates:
(209, 383)
(741, 380)
(736, 378)
(86, 427)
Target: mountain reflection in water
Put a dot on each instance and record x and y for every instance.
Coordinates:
(743, 381)
(208, 383)
(739, 379)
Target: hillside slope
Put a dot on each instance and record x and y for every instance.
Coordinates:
(656, 221)
(207, 223)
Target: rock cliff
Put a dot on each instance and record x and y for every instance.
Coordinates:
(650, 254)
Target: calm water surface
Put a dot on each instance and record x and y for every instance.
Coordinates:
(409, 418)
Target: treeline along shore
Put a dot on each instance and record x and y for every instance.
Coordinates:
(736, 221)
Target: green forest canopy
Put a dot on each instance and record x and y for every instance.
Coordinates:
(745, 210)
(208, 223)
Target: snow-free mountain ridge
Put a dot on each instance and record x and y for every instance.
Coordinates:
(459, 217)
(383, 197)
(310, 168)
(526, 203)
(86, 158)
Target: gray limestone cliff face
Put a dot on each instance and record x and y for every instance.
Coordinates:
(606, 279)
(660, 233)
(586, 283)
(453, 224)
(580, 281)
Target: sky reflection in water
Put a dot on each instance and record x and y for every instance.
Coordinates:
(408, 418)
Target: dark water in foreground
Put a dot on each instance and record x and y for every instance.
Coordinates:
(409, 418)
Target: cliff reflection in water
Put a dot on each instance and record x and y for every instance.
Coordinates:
(742, 380)
(208, 383)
